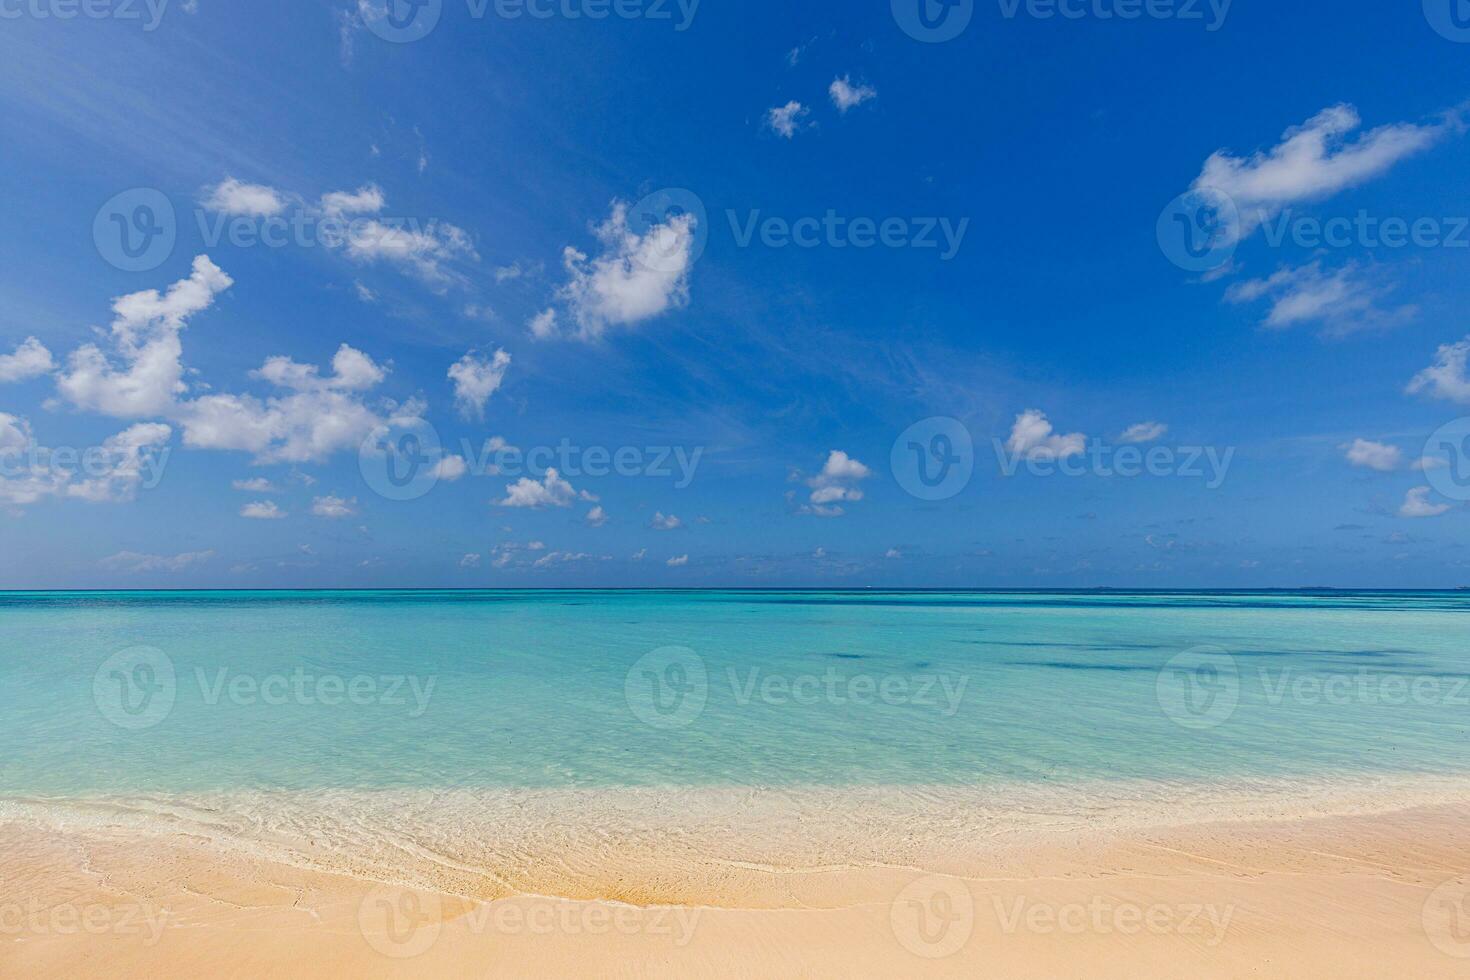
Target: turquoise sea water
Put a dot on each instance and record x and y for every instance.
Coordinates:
(159, 692)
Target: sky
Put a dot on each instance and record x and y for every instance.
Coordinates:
(544, 293)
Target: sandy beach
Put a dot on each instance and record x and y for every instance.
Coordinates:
(1362, 892)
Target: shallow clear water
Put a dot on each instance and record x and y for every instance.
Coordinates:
(195, 692)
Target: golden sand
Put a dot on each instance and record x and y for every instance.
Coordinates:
(1356, 894)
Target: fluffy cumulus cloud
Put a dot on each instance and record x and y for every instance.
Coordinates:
(262, 510)
(665, 522)
(1447, 377)
(1144, 432)
(239, 199)
(477, 377)
(678, 562)
(1342, 301)
(333, 507)
(550, 491)
(634, 278)
(112, 472)
(311, 417)
(835, 484)
(1032, 437)
(450, 468)
(543, 325)
(1373, 455)
(257, 484)
(1313, 161)
(785, 120)
(596, 517)
(132, 561)
(30, 360)
(145, 375)
(846, 95)
(352, 222)
(1417, 504)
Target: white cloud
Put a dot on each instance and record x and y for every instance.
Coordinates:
(635, 278)
(319, 416)
(1446, 378)
(237, 198)
(368, 199)
(543, 325)
(893, 553)
(1416, 504)
(262, 510)
(834, 484)
(665, 522)
(476, 378)
(145, 333)
(424, 251)
(786, 120)
(1032, 437)
(846, 95)
(1373, 455)
(257, 484)
(677, 562)
(1344, 301)
(352, 370)
(333, 507)
(451, 468)
(552, 491)
(1143, 432)
(596, 517)
(132, 561)
(470, 561)
(30, 360)
(112, 472)
(1313, 161)
(639, 555)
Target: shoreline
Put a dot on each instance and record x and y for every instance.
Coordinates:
(1344, 885)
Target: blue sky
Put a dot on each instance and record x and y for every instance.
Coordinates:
(747, 246)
